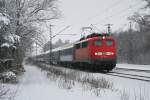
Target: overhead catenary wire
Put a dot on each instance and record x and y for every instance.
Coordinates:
(119, 13)
(93, 26)
(115, 14)
(61, 31)
(107, 9)
(120, 16)
(114, 5)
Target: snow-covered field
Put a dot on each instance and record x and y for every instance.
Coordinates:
(34, 85)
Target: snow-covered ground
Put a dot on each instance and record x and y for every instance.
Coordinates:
(34, 85)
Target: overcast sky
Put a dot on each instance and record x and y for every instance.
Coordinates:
(80, 13)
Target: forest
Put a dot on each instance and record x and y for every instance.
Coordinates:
(133, 44)
(19, 21)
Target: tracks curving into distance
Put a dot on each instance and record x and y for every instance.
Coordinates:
(135, 70)
(123, 72)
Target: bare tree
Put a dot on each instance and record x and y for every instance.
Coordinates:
(142, 20)
(58, 43)
(148, 4)
(25, 15)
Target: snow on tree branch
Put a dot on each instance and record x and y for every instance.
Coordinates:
(4, 20)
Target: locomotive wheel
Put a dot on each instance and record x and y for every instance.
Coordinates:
(74, 65)
(94, 68)
(107, 70)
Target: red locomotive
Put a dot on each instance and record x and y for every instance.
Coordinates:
(96, 51)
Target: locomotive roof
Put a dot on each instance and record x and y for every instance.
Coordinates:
(93, 38)
(67, 46)
(59, 48)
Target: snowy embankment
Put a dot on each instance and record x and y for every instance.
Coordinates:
(37, 84)
(34, 85)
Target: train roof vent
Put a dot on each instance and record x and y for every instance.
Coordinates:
(97, 35)
(82, 38)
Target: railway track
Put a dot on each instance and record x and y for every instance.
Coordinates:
(130, 76)
(136, 70)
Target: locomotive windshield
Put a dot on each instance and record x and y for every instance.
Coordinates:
(84, 44)
(77, 46)
(109, 42)
(98, 43)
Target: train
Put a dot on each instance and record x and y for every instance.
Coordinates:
(96, 52)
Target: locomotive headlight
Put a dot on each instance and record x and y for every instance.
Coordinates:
(98, 53)
(109, 53)
(104, 53)
(103, 37)
(95, 53)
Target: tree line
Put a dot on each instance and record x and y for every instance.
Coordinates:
(58, 43)
(18, 28)
(133, 45)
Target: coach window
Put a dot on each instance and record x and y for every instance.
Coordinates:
(78, 46)
(69, 51)
(84, 44)
(109, 42)
(98, 43)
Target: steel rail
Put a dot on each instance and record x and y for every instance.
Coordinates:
(136, 70)
(129, 76)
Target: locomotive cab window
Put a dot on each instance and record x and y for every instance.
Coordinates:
(109, 42)
(98, 43)
(77, 46)
(84, 44)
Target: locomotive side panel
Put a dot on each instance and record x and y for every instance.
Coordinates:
(82, 52)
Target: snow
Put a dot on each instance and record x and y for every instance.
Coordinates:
(132, 87)
(34, 85)
(9, 76)
(4, 19)
(14, 47)
(13, 38)
(5, 45)
(8, 45)
(16, 37)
